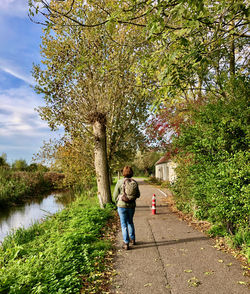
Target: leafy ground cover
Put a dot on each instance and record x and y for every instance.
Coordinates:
(60, 255)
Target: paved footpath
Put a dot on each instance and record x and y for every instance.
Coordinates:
(172, 257)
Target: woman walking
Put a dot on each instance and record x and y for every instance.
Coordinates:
(125, 194)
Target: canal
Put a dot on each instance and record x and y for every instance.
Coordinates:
(25, 215)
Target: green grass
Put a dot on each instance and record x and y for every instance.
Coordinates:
(112, 187)
(54, 256)
(142, 177)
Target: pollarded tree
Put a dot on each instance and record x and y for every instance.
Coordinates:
(90, 87)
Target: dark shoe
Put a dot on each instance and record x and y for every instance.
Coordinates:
(133, 242)
(125, 246)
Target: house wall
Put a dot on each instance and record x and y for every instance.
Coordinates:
(171, 167)
(161, 171)
(166, 171)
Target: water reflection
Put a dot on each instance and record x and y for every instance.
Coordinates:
(36, 210)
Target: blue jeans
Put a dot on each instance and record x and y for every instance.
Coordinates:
(126, 218)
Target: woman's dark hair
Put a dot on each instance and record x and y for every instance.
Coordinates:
(127, 172)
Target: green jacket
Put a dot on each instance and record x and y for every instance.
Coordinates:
(118, 192)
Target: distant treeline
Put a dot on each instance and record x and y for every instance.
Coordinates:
(22, 165)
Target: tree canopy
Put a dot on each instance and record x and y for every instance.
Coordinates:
(196, 45)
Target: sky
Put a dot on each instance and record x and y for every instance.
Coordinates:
(22, 132)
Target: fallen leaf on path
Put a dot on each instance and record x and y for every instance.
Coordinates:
(168, 286)
(148, 285)
(168, 264)
(242, 283)
(202, 248)
(229, 264)
(209, 273)
(188, 271)
(194, 282)
(220, 260)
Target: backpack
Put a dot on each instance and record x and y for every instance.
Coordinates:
(129, 190)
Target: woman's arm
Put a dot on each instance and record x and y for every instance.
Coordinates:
(138, 194)
(117, 191)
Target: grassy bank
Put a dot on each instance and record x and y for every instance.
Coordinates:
(57, 255)
(15, 185)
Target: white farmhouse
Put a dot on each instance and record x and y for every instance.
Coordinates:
(165, 169)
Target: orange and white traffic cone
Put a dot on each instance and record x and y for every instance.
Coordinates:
(153, 204)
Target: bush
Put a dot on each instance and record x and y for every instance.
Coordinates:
(166, 184)
(242, 237)
(213, 166)
(154, 180)
(54, 179)
(217, 230)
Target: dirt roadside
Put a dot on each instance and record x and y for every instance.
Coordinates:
(173, 257)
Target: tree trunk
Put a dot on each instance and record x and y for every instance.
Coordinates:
(232, 58)
(200, 87)
(232, 54)
(101, 163)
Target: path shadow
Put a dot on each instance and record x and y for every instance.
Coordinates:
(148, 208)
(163, 213)
(142, 206)
(142, 244)
(138, 206)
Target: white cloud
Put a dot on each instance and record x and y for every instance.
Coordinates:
(16, 74)
(18, 8)
(17, 114)
(22, 132)
(14, 70)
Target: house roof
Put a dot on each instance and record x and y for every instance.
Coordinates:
(163, 159)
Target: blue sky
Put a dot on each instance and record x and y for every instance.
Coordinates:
(22, 132)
